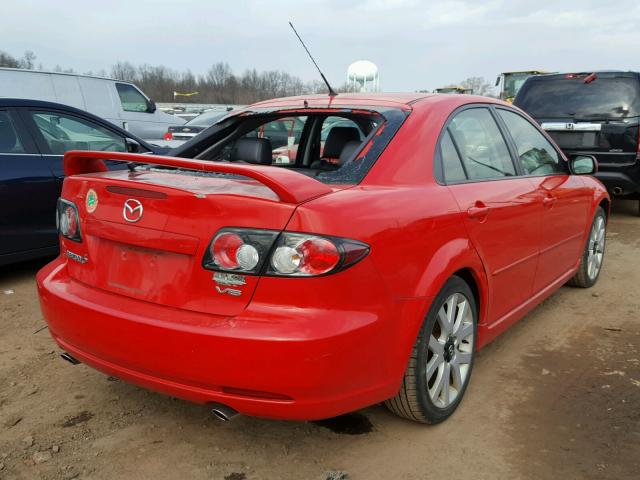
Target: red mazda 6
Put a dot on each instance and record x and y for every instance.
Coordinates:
(371, 268)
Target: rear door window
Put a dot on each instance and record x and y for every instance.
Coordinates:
(451, 163)
(9, 140)
(482, 147)
(63, 132)
(537, 155)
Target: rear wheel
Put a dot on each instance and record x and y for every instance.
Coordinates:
(442, 358)
(593, 254)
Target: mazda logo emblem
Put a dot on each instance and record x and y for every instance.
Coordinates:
(132, 211)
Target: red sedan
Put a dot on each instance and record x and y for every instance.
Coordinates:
(372, 272)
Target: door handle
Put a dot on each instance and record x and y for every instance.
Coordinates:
(548, 202)
(478, 212)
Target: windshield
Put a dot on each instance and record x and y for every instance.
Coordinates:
(336, 146)
(206, 119)
(513, 82)
(573, 97)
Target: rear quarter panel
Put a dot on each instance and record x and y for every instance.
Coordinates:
(417, 242)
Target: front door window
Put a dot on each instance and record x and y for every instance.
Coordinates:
(63, 132)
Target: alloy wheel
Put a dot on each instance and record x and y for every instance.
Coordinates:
(596, 248)
(450, 350)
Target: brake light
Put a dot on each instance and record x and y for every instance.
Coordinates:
(68, 221)
(229, 251)
(304, 255)
(168, 136)
(239, 250)
(280, 254)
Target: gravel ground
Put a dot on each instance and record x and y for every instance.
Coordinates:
(557, 396)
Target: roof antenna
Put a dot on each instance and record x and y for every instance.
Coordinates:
(332, 92)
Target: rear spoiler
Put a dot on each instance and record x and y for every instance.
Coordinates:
(289, 186)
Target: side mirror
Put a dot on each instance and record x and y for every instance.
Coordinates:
(132, 145)
(498, 81)
(583, 165)
(151, 108)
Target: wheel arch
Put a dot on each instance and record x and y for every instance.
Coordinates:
(605, 203)
(470, 279)
(457, 257)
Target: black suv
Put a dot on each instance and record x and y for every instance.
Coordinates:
(595, 113)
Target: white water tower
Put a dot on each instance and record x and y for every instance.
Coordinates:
(363, 76)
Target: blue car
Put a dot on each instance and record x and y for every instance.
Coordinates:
(33, 138)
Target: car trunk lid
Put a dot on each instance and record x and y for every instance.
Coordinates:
(146, 232)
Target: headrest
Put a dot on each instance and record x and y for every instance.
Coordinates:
(8, 137)
(336, 140)
(348, 150)
(252, 150)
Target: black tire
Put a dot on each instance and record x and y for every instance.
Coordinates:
(582, 279)
(413, 401)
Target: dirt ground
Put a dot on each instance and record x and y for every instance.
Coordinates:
(556, 397)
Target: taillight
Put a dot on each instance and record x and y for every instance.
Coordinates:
(304, 255)
(280, 254)
(168, 136)
(239, 250)
(68, 221)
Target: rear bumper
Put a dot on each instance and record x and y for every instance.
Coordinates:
(621, 181)
(289, 364)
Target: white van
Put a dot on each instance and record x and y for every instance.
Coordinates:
(121, 103)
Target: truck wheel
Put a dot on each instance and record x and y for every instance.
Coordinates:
(442, 357)
(593, 254)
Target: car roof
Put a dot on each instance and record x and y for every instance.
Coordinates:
(48, 72)
(372, 99)
(544, 72)
(376, 101)
(604, 73)
(404, 101)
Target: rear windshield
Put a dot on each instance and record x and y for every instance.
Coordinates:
(563, 96)
(336, 146)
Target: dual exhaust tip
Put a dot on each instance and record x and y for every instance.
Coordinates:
(220, 411)
(617, 190)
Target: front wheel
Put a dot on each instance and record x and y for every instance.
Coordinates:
(593, 254)
(442, 358)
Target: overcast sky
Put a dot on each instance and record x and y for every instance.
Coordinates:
(416, 44)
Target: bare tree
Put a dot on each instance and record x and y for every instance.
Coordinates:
(7, 60)
(218, 85)
(124, 71)
(28, 60)
(479, 86)
(59, 69)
